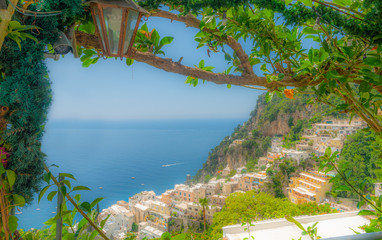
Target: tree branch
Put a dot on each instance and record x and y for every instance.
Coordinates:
(191, 21)
(91, 42)
(219, 78)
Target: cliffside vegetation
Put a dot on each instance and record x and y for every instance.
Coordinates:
(280, 116)
(361, 161)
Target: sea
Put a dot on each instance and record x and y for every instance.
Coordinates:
(106, 155)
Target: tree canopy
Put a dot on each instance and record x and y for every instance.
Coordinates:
(259, 206)
(344, 60)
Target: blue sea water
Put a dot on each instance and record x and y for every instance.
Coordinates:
(106, 155)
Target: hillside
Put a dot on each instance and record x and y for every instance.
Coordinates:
(280, 116)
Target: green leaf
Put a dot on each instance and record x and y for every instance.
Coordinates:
(87, 27)
(82, 223)
(129, 61)
(47, 177)
(51, 195)
(144, 27)
(68, 175)
(361, 203)
(86, 206)
(287, 2)
(165, 41)
(264, 68)
(104, 221)
(18, 200)
(79, 188)
(269, 96)
(328, 152)
(292, 220)
(93, 235)
(311, 55)
(96, 201)
(201, 64)
(63, 190)
(12, 223)
(43, 192)
(227, 57)
(254, 60)
(67, 183)
(306, 2)
(77, 197)
(155, 37)
(89, 52)
(87, 63)
(367, 213)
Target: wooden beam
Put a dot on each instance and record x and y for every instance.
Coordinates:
(6, 17)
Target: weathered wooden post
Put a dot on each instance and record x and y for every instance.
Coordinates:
(60, 199)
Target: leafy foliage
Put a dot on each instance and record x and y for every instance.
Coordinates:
(25, 89)
(259, 206)
(296, 14)
(360, 160)
(150, 41)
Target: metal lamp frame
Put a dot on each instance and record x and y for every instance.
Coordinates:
(106, 47)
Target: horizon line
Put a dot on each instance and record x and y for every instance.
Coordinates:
(143, 119)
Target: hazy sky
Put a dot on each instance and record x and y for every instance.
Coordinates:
(111, 90)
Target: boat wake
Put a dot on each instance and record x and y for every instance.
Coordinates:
(173, 164)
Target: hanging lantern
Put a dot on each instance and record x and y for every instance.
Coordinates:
(116, 24)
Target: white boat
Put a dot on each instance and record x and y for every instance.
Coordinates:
(100, 187)
(38, 209)
(17, 213)
(143, 184)
(132, 177)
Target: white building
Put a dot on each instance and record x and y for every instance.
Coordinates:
(150, 233)
(329, 225)
(341, 128)
(119, 222)
(297, 156)
(141, 197)
(276, 145)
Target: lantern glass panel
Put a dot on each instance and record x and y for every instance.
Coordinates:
(100, 30)
(113, 21)
(132, 19)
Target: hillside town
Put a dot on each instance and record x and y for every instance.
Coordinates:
(150, 215)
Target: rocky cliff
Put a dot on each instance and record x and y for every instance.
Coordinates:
(249, 141)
